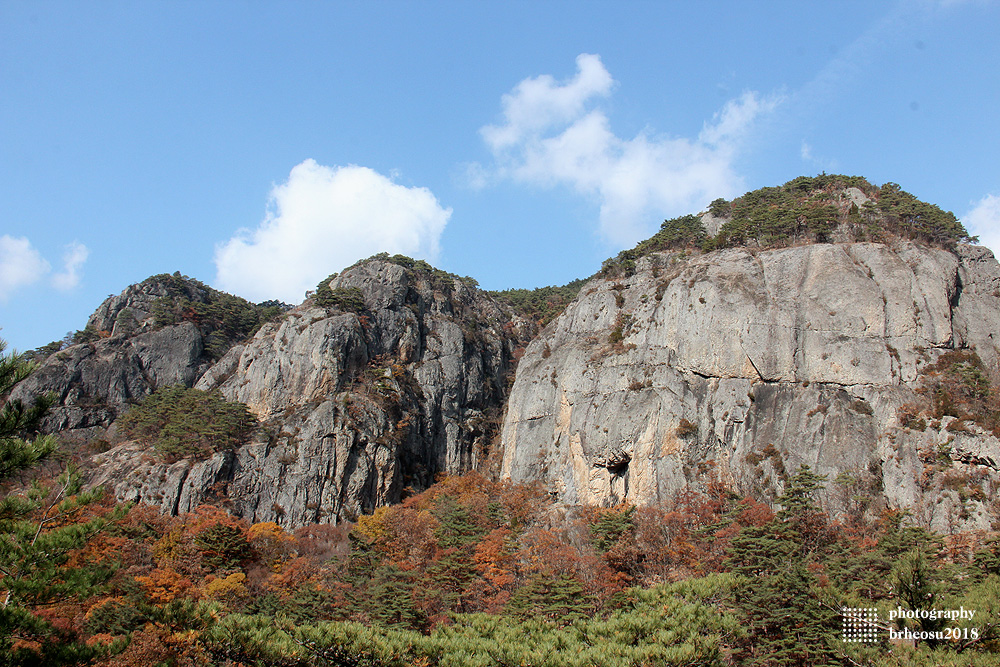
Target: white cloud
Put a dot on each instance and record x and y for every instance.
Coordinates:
(20, 265)
(74, 257)
(536, 104)
(552, 135)
(806, 152)
(983, 220)
(321, 220)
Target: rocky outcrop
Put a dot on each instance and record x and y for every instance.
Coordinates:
(134, 345)
(135, 310)
(357, 405)
(737, 365)
(95, 382)
(743, 365)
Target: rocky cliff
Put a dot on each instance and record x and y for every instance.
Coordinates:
(743, 364)
(166, 330)
(826, 322)
(397, 375)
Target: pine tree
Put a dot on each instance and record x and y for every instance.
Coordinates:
(610, 526)
(789, 625)
(456, 529)
(39, 528)
(916, 584)
(560, 598)
(15, 419)
(390, 599)
(450, 579)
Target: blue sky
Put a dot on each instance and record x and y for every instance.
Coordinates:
(260, 146)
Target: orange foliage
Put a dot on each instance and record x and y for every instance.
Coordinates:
(372, 525)
(409, 538)
(164, 585)
(551, 553)
(157, 646)
(496, 558)
(471, 490)
(271, 543)
(206, 516)
(294, 573)
(523, 503)
(323, 541)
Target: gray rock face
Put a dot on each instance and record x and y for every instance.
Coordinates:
(356, 406)
(736, 365)
(95, 382)
(130, 357)
(163, 331)
(134, 310)
(745, 365)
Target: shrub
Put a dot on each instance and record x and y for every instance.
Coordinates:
(686, 428)
(543, 304)
(957, 385)
(180, 423)
(347, 299)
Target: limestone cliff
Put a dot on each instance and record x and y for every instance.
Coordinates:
(744, 364)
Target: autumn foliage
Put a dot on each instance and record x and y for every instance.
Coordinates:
(470, 564)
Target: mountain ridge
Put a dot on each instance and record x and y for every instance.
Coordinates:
(407, 368)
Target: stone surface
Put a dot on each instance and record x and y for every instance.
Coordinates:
(129, 357)
(356, 407)
(738, 365)
(95, 382)
(745, 365)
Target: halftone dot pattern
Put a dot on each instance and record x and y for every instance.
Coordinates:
(859, 624)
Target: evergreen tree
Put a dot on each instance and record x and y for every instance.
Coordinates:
(916, 584)
(559, 598)
(611, 526)
(788, 624)
(987, 558)
(39, 528)
(389, 599)
(16, 419)
(456, 529)
(450, 579)
(223, 547)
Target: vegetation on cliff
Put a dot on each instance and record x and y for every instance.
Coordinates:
(347, 299)
(804, 210)
(956, 385)
(542, 304)
(223, 319)
(440, 280)
(179, 422)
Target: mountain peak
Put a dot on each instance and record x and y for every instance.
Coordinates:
(817, 209)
